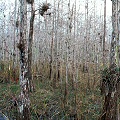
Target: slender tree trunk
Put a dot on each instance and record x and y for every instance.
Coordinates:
(24, 96)
(59, 40)
(14, 75)
(51, 54)
(51, 60)
(104, 33)
(69, 28)
(30, 42)
(110, 107)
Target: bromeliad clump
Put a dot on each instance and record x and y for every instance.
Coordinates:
(44, 8)
(17, 24)
(30, 1)
(21, 47)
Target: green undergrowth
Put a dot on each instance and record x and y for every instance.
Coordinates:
(48, 103)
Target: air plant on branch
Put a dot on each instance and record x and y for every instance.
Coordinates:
(44, 7)
(29, 1)
(17, 23)
(21, 47)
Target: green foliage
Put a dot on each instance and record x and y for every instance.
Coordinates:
(14, 88)
(1, 66)
(110, 76)
(48, 103)
(7, 73)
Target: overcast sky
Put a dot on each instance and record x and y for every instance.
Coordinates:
(109, 7)
(99, 5)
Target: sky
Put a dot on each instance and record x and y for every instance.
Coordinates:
(109, 7)
(9, 6)
(99, 4)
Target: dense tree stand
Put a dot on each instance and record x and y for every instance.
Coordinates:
(55, 56)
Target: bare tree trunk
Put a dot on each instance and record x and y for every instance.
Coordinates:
(58, 44)
(30, 42)
(69, 28)
(14, 74)
(86, 69)
(51, 60)
(104, 33)
(110, 107)
(24, 96)
(66, 60)
(51, 54)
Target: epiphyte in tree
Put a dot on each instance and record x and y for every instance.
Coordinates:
(17, 23)
(20, 46)
(44, 7)
(29, 1)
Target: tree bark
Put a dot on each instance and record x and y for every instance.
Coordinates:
(110, 107)
(30, 42)
(104, 33)
(24, 96)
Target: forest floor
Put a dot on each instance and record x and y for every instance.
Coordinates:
(48, 103)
